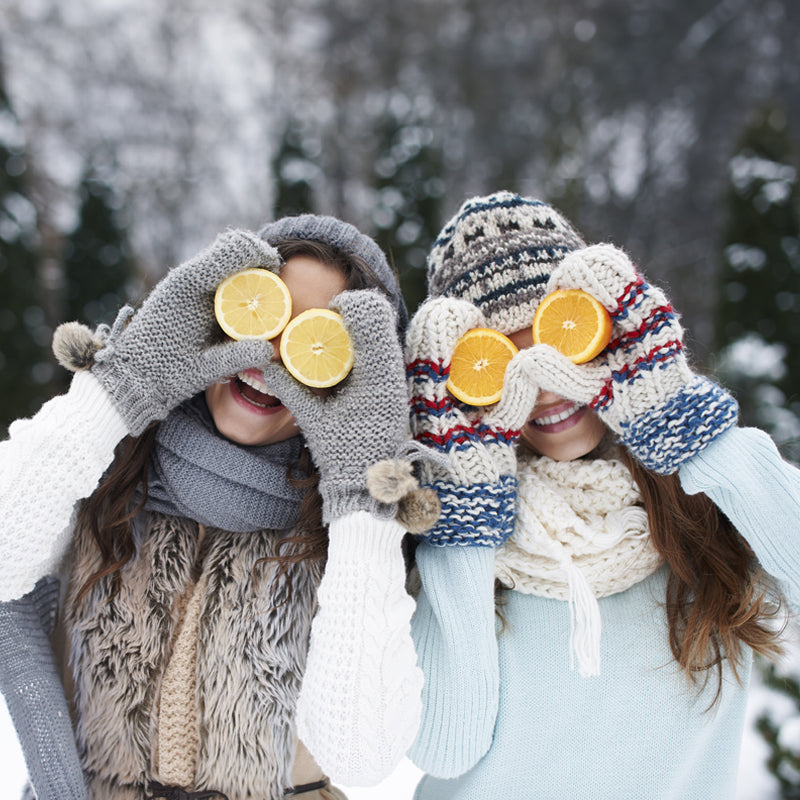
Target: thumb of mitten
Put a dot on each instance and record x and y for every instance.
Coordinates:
(223, 360)
(554, 372)
(519, 394)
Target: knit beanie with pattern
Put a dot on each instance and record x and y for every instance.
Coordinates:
(349, 241)
(498, 252)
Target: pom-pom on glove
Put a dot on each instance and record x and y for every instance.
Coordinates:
(364, 420)
(154, 359)
(474, 466)
(641, 385)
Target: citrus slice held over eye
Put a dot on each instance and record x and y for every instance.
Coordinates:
(252, 304)
(316, 349)
(478, 366)
(574, 323)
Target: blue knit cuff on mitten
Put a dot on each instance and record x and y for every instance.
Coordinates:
(682, 426)
(478, 515)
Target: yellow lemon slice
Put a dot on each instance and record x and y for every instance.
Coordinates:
(316, 349)
(478, 366)
(573, 322)
(253, 304)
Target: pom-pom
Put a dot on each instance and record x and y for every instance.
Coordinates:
(389, 481)
(75, 345)
(418, 511)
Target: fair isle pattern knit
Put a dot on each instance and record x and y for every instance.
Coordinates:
(581, 533)
(498, 253)
(647, 391)
(472, 461)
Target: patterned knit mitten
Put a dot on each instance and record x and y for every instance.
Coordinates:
(155, 358)
(365, 419)
(473, 465)
(641, 386)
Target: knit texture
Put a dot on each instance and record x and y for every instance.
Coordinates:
(165, 353)
(33, 693)
(365, 419)
(634, 731)
(581, 533)
(472, 464)
(193, 472)
(77, 431)
(642, 385)
(498, 252)
(347, 239)
(358, 715)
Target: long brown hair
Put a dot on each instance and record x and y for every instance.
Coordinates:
(109, 511)
(719, 600)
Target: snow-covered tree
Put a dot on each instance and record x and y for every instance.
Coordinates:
(97, 263)
(25, 369)
(294, 171)
(408, 193)
(758, 319)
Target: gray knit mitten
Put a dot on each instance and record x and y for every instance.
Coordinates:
(365, 419)
(641, 386)
(474, 473)
(155, 358)
(33, 692)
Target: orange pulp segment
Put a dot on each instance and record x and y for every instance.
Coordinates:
(574, 323)
(252, 304)
(316, 349)
(478, 366)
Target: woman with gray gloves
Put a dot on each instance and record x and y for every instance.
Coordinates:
(222, 548)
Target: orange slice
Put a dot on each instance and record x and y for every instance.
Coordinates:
(253, 304)
(478, 365)
(316, 349)
(573, 322)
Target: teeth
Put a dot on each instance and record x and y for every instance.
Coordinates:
(255, 383)
(556, 417)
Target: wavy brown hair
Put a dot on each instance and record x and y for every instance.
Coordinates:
(719, 600)
(122, 493)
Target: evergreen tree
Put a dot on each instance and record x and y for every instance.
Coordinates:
(25, 366)
(782, 737)
(758, 321)
(96, 257)
(407, 179)
(294, 170)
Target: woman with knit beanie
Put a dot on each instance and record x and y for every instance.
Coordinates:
(221, 545)
(611, 548)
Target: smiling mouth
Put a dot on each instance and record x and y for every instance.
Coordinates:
(562, 417)
(253, 390)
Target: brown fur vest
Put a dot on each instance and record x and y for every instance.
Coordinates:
(249, 640)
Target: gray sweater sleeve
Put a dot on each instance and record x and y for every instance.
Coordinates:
(34, 694)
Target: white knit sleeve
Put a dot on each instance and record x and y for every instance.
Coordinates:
(360, 705)
(47, 464)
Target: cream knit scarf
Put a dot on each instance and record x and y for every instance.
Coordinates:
(581, 533)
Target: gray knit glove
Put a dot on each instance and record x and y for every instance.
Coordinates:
(34, 694)
(161, 355)
(365, 418)
(641, 386)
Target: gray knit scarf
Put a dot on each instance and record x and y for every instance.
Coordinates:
(197, 474)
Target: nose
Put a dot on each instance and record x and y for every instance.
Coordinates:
(276, 347)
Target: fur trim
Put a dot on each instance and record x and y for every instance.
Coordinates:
(75, 345)
(252, 641)
(391, 480)
(418, 511)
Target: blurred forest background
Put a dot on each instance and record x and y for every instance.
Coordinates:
(132, 132)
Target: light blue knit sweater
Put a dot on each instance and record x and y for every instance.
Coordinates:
(505, 717)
